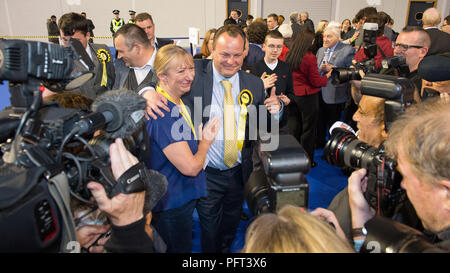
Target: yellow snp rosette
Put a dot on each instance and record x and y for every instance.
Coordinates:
(245, 99)
(104, 58)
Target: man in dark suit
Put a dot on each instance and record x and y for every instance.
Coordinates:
(134, 68)
(236, 16)
(440, 41)
(145, 21)
(52, 29)
(307, 23)
(94, 57)
(219, 86)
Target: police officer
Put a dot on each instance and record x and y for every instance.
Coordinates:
(132, 17)
(116, 22)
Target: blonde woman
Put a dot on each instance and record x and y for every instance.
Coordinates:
(318, 39)
(293, 231)
(177, 150)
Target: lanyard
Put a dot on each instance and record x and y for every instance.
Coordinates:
(182, 109)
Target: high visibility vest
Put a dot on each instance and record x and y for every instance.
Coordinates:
(117, 24)
(131, 21)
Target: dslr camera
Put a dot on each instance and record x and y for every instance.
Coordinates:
(341, 75)
(383, 192)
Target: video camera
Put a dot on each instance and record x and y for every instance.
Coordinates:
(281, 178)
(383, 192)
(40, 166)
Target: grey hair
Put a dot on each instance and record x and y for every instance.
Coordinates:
(294, 16)
(333, 29)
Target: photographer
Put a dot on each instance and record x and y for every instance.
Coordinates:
(413, 44)
(418, 140)
(369, 120)
(383, 44)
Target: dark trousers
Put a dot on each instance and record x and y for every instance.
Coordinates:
(221, 209)
(308, 109)
(175, 227)
(329, 114)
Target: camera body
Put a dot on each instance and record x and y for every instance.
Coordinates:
(383, 192)
(383, 187)
(280, 180)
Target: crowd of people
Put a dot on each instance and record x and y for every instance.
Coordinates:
(286, 69)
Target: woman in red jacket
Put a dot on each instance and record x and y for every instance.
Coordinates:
(307, 83)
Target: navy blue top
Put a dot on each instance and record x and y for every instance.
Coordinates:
(181, 189)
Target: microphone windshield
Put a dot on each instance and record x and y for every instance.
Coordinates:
(128, 112)
(156, 188)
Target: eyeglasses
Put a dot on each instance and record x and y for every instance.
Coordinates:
(275, 47)
(406, 47)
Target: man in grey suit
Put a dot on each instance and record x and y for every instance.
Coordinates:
(333, 54)
(215, 83)
(94, 57)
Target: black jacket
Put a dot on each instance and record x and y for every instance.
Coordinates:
(440, 41)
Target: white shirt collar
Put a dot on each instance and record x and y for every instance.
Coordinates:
(149, 63)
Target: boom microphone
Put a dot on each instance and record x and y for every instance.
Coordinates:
(119, 112)
(156, 188)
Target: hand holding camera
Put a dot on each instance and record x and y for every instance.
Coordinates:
(122, 209)
(361, 210)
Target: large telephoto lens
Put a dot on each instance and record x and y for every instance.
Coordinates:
(343, 75)
(344, 149)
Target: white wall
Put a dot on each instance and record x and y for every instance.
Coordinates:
(174, 17)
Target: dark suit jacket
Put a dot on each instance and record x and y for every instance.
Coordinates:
(296, 28)
(309, 25)
(122, 74)
(440, 41)
(202, 87)
(160, 42)
(93, 87)
(255, 54)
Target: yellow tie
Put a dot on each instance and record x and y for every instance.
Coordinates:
(229, 124)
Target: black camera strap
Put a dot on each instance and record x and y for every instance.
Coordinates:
(135, 179)
(58, 186)
(59, 189)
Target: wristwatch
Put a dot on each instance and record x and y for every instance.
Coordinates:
(356, 232)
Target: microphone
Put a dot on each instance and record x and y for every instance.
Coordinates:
(156, 188)
(119, 112)
(345, 126)
(435, 68)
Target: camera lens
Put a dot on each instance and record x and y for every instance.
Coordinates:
(343, 75)
(344, 149)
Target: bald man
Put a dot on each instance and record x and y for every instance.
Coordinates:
(440, 41)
